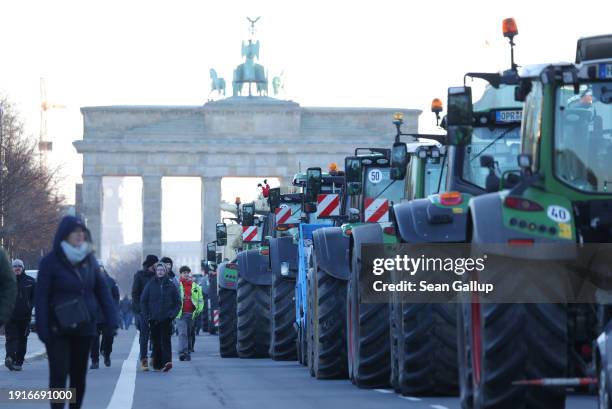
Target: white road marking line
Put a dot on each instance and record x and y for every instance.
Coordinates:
(384, 390)
(410, 398)
(123, 395)
(438, 407)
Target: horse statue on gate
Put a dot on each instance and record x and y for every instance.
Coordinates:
(218, 84)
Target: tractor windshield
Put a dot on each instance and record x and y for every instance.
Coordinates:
(583, 137)
(503, 143)
(378, 183)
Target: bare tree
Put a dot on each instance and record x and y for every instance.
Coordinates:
(30, 205)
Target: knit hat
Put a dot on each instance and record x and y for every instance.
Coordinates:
(160, 264)
(18, 263)
(150, 260)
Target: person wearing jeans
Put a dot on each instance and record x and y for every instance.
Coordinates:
(159, 304)
(192, 304)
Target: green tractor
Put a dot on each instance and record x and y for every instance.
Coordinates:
(346, 339)
(558, 213)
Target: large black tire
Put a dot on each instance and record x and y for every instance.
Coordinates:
(205, 315)
(253, 314)
(369, 358)
(464, 357)
(518, 341)
(427, 349)
(310, 325)
(328, 326)
(395, 328)
(283, 335)
(228, 326)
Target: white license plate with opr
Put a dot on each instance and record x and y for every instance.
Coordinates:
(509, 116)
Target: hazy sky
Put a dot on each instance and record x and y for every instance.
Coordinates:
(334, 53)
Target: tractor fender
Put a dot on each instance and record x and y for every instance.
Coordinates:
(225, 279)
(254, 267)
(283, 249)
(490, 235)
(331, 251)
(422, 221)
(370, 233)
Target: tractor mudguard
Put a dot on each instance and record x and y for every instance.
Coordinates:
(283, 249)
(254, 267)
(370, 233)
(492, 237)
(421, 221)
(226, 277)
(331, 251)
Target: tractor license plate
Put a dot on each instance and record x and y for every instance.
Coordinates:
(605, 71)
(509, 116)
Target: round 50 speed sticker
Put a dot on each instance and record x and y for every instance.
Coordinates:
(375, 176)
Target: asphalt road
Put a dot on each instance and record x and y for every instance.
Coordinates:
(214, 383)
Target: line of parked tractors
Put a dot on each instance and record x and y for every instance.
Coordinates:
(530, 162)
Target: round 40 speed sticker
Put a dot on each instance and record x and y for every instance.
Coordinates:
(559, 214)
(375, 176)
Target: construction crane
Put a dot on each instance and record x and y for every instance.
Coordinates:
(45, 145)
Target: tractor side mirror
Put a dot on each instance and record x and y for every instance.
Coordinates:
(313, 184)
(221, 233)
(399, 160)
(459, 116)
(509, 179)
(353, 170)
(248, 214)
(523, 89)
(274, 199)
(211, 252)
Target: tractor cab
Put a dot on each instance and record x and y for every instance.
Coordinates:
(322, 195)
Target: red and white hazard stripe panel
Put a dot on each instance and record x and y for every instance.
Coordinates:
(216, 318)
(376, 210)
(328, 205)
(250, 233)
(283, 215)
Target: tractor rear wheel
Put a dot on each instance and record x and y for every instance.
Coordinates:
(253, 314)
(283, 336)
(227, 323)
(329, 328)
(369, 360)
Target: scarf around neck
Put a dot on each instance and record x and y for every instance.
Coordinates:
(75, 254)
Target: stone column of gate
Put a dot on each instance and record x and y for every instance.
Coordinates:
(92, 208)
(151, 215)
(211, 208)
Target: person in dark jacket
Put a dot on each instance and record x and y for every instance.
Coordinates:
(17, 328)
(106, 346)
(125, 310)
(141, 278)
(160, 303)
(68, 291)
(171, 275)
(8, 288)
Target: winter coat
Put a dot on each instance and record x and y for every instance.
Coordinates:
(24, 302)
(8, 288)
(141, 279)
(160, 300)
(59, 282)
(196, 298)
(112, 284)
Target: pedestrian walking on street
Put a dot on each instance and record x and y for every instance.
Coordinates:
(125, 310)
(169, 264)
(69, 289)
(141, 279)
(160, 303)
(192, 304)
(17, 328)
(108, 334)
(8, 288)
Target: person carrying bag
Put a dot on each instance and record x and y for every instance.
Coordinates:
(68, 291)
